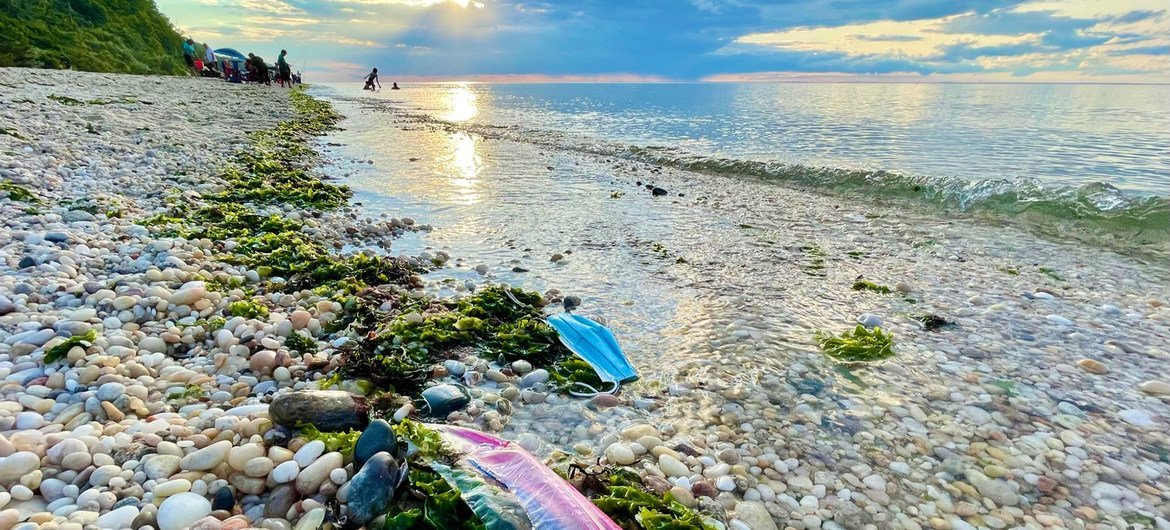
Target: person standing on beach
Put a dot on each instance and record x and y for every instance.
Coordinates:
(209, 58)
(283, 71)
(189, 56)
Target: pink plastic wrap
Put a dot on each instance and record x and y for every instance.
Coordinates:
(551, 502)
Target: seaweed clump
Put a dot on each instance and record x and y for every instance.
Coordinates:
(407, 334)
(17, 192)
(619, 493)
(858, 345)
(865, 285)
(59, 351)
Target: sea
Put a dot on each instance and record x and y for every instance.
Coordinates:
(716, 228)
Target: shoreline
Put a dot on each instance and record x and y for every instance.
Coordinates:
(149, 339)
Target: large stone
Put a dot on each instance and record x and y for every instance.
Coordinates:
(372, 488)
(18, 465)
(755, 515)
(280, 501)
(119, 518)
(206, 458)
(182, 510)
(377, 437)
(328, 410)
(309, 480)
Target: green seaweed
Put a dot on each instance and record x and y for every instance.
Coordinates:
(858, 345)
(428, 444)
(865, 285)
(340, 441)
(12, 132)
(624, 500)
(300, 342)
(17, 192)
(1051, 273)
(59, 351)
(247, 309)
(403, 344)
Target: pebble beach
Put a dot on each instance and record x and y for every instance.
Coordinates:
(1044, 405)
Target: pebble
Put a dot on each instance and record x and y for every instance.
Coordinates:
(182, 510)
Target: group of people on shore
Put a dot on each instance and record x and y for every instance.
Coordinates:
(253, 70)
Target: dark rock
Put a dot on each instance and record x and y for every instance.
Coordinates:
(445, 399)
(519, 269)
(279, 501)
(144, 518)
(26, 262)
(687, 450)
(328, 410)
(224, 499)
(658, 192)
(56, 237)
(571, 302)
(704, 489)
(372, 489)
(377, 437)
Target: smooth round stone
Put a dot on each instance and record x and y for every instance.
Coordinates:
(181, 511)
(619, 454)
(259, 467)
(725, 483)
(869, 320)
(28, 420)
(224, 499)
(189, 295)
(1138, 417)
(372, 488)
(1092, 366)
(312, 520)
(118, 518)
(310, 478)
(1059, 320)
(1155, 388)
(376, 438)
(208, 457)
(285, 472)
(161, 466)
(17, 465)
(309, 452)
(172, 487)
(672, 466)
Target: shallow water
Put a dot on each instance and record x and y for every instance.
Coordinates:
(715, 292)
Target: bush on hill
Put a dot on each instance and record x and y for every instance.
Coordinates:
(123, 36)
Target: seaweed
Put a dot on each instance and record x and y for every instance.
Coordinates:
(59, 351)
(402, 344)
(865, 285)
(247, 309)
(858, 345)
(12, 132)
(620, 494)
(1051, 273)
(340, 441)
(17, 192)
(932, 322)
(300, 342)
(428, 444)
(66, 100)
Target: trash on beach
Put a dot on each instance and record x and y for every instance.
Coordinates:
(596, 345)
(548, 500)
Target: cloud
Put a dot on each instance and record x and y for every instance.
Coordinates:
(702, 39)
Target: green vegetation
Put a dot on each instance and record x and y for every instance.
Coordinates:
(59, 351)
(11, 132)
(816, 260)
(404, 342)
(66, 100)
(342, 442)
(858, 345)
(619, 493)
(865, 285)
(18, 193)
(300, 342)
(247, 309)
(1051, 273)
(123, 36)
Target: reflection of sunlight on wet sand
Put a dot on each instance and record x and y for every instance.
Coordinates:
(461, 102)
(463, 168)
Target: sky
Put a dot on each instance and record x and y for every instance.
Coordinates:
(1096, 41)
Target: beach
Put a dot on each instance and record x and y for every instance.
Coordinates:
(1028, 386)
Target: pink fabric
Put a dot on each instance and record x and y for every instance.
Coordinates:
(551, 502)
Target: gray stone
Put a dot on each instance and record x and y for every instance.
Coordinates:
(328, 410)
